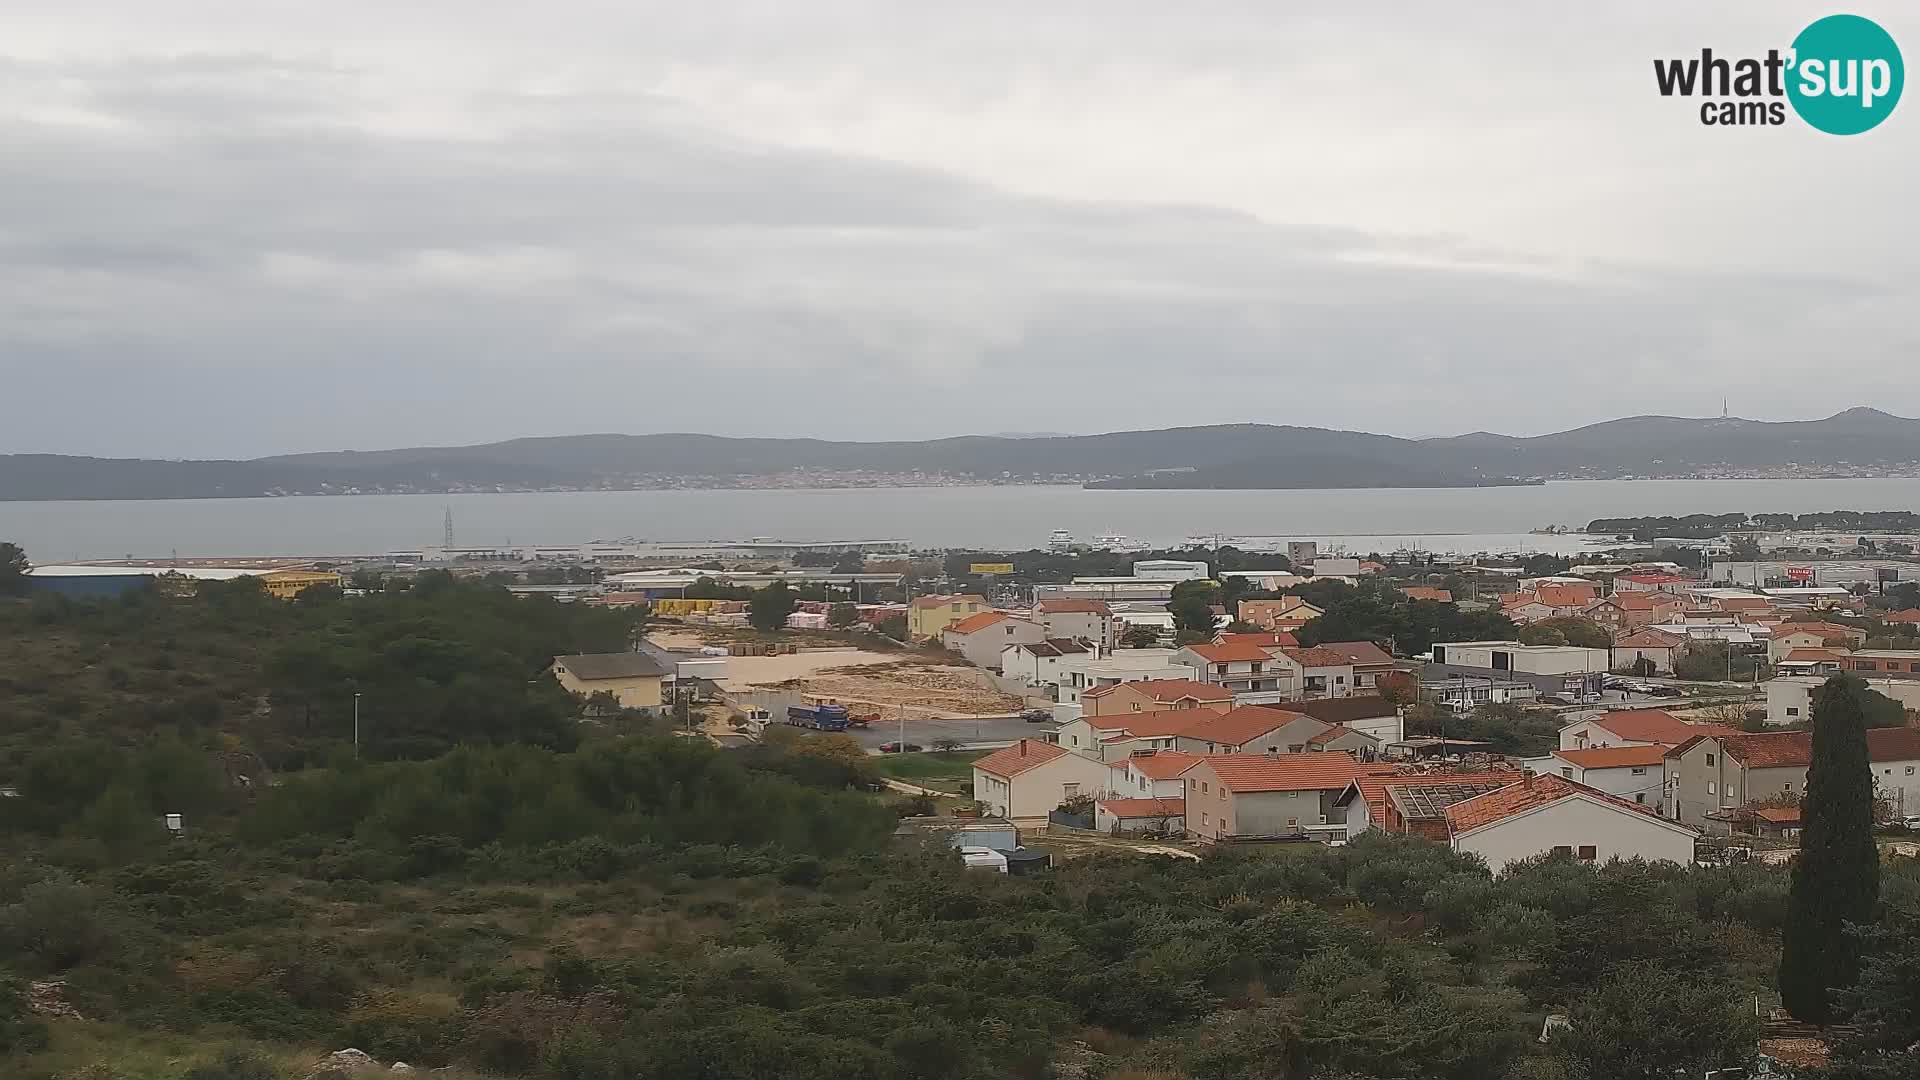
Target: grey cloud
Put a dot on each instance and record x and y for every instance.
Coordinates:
(237, 253)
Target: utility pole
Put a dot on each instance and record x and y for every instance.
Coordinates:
(356, 725)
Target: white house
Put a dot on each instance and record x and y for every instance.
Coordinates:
(1790, 697)
(1078, 620)
(1241, 668)
(1550, 813)
(1140, 815)
(1039, 663)
(1028, 780)
(1522, 659)
(1648, 646)
(1634, 773)
(1080, 674)
(1633, 727)
(981, 638)
(1149, 774)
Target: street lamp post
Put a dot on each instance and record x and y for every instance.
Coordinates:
(356, 725)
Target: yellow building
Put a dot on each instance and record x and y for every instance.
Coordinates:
(927, 616)
(633, 678)
(287, 584)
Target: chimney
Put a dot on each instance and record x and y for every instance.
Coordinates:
(1023, 748)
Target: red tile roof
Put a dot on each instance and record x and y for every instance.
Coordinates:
(1653, 726)
(1152, 725)
(1160, 764)
(1358, 652)
(1909, 615)
(1246, 773)
(1318, 656)
(1066, 606)
(975, 623)
(1655, 579)
(1236, 727)
(1337, 731)
(1794, 749)
(1810, 656)
(1168, 690)
(1011, 761)
(1144, 808)
(1532, 792)
(1340, 710)
(1614, 757)
(1779, 815)
(1422, 592)
(1566, 596)
(1824, 629)
(1229, 654)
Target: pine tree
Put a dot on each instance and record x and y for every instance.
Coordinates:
(1836, 879)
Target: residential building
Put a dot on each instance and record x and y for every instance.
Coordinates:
(1265, 639)
(1634, 727)
(1267, 795)
(1039, 663)
(1627, 611)
(1362, 746)
(1114, 737)
(1370, 715)
(633, 678)
(1715, 773)
(1250, 729)
(1651, 582)
(1336, 567)
(1790, 697)
(1029, 780)
(1805, 661)
(1820, 635)
(1883, 663)
(1635, 773)
(1080, 620)
(1424, 592)
(1148, 816)
(1081, 675)
(1550, 813)
(1647, 650)
(1368, 661)
(1155, 695)
(1903, 617)
(1150, 774)
(1239, 668)
(927, 616)
(981, 638)
(1467, 692)
(1412, 803)
(1288, 613)
(1323, 671)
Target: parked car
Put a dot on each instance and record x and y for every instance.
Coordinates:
(1036, 716)
(898, 748)
(1662, 690)
(1554, 699)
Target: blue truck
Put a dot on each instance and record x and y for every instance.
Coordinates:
(819, 717)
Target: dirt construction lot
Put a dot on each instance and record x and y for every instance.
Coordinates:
(892, 684)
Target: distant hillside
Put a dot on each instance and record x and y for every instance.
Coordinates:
(1223, 456)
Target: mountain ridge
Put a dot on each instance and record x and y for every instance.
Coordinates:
(1242, 456)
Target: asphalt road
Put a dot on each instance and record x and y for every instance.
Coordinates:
(972, 733)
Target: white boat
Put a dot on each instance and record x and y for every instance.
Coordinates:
(1119, 544)
(1061, 540)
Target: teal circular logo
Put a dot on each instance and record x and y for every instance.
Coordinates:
(1846, 75)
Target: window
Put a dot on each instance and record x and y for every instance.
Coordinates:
(1203, 817)
(1136, 706)
(1641, 798)
(1069, 790)
(1223, 794)
(1588, 853)
(1567, 772)
(1709, 761)
(1788, 786)
(1793, 711)
(1203, 785)
(1864, 665)
(1909, 770)
(1641, 771)
(1562, 849)
(1710, 790)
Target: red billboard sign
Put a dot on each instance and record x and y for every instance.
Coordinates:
(1799, 573)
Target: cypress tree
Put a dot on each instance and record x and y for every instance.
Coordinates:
(1836, 879)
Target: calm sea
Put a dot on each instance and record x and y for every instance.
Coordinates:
(983, 517)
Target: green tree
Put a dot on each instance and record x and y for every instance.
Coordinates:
(13, 570)
(1572, 630)
(1541, 634)
(21, 1031)
(768, 608)
(1836, 879)
(1192, 608)
(1647, 1022)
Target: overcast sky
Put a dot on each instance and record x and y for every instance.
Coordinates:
(255, 226)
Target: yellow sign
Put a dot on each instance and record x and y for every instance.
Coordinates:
(991, 568)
